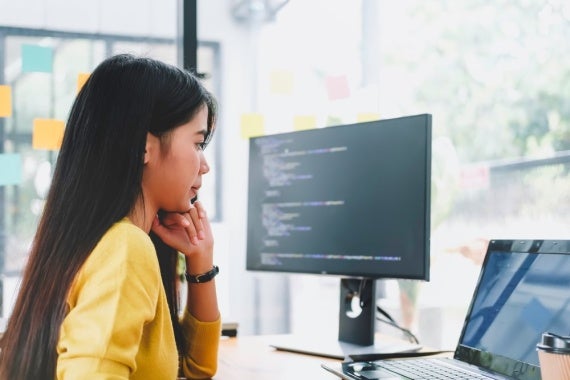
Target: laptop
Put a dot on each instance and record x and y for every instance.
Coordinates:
(523, 290)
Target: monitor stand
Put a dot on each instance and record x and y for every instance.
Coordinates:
(357, 316)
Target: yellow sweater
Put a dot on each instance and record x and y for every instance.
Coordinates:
(118, 322)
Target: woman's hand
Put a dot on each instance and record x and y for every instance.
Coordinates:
(188, 233)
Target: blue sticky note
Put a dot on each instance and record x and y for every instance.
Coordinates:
(10, 169)
(37, 59)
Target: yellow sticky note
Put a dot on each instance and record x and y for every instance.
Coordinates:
(48, 134)
(252, 125)
(281, 82)
(5, 101)
(81, 79)
(303, 122)
(369, 116)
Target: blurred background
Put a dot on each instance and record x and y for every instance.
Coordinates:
(495, 76)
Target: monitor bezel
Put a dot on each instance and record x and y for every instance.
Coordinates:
(425, 120)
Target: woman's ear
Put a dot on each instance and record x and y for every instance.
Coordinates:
(151, 149)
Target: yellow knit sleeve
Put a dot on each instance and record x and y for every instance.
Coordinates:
(114, 295)
(202, 340)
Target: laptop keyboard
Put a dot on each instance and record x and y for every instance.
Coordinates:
(420, 369)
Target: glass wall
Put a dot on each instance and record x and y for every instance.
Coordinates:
(41, 71)
(495, 78)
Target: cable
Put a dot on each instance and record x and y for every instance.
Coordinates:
(385, 313)
(411, 337)
(390, 321)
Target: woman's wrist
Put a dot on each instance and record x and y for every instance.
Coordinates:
(202, 277)
(198, 265)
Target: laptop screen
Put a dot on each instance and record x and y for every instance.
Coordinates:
(522, 292)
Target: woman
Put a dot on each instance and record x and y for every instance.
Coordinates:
(98, 298)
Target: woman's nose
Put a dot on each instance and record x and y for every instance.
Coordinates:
(204, 167)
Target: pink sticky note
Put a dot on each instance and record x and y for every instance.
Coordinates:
(337, 87)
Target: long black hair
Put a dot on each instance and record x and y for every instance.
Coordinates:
(96, 182)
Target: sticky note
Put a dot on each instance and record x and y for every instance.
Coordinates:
(37, 58)
(333, 120)
(252, 125)
(5, 101)
(367, 116)
(303, 122)
(281, 82)
(10, 169)
(337, 87)
(81, 79)
(475, 176)
(47, 134)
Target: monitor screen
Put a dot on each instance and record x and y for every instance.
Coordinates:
(350, 200)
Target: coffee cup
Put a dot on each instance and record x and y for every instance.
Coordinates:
(554, 356)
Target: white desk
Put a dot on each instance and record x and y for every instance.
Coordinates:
(253, 358)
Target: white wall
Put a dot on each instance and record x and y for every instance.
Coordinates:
(132, 17)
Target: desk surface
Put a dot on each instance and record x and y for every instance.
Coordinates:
(252, 358)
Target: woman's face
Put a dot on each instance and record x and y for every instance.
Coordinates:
(173, 170)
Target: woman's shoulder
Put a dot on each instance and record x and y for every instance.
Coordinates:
(122, 264)
(124, 241)
(125, 233)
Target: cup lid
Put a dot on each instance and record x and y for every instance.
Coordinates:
(554, 343)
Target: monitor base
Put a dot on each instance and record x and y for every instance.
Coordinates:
(336, 349)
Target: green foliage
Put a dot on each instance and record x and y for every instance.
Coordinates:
(495, 73)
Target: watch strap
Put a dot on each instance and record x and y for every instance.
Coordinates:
(203, 277)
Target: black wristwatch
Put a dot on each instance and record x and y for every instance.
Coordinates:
(204, 277)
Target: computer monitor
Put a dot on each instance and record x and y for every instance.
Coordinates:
(351, 201)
